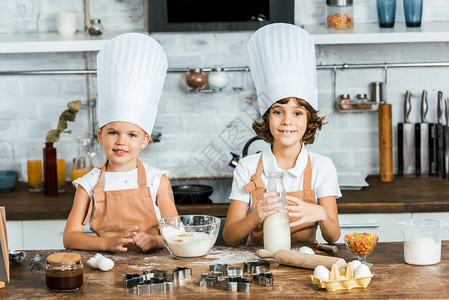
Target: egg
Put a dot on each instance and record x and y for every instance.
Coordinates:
(305, 249)
(93, 262)
(356, 264)
(362, 271)
(105, 264)
(321, 272)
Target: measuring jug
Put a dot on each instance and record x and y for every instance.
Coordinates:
(422, 241)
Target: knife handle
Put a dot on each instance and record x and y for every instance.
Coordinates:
(400, 149)
(418, 149)
(432, 149)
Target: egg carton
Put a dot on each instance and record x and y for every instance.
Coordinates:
(343, 279)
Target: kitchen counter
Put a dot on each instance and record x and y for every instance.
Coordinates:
(405, 194)
(392, 277)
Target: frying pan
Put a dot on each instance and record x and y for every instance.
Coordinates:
(192, 193)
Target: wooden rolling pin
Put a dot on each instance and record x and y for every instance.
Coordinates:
(302, 260)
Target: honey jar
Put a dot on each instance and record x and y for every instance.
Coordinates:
(64, 271)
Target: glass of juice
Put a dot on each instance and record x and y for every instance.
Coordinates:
(34, 171)
(60, 169)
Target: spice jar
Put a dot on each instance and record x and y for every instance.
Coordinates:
(64, 271)
(344, 102)
(196, 79)
(339, 14)
(217, 78)
(95, 28)
(362, 101)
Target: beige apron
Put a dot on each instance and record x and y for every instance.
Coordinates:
(304, 233)
(117, 210)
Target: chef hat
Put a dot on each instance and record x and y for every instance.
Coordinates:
(282, 63)
(131, 71)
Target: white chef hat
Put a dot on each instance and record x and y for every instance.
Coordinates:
(131, 70)
(282, 63)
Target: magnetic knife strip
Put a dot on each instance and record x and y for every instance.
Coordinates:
(228, 278)
(155, 281)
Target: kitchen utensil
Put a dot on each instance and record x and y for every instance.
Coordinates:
(422, 139)
(189, 236)
(302, 260)
(256, 267)
(154, 285)
(377, 91)
(385, 143)
(446, 136)
(406, 153)
(192, 193)
(328, 248)
(440, 139)
(8, 180)
(422, 241)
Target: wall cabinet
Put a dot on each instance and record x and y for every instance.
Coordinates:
(35, 235)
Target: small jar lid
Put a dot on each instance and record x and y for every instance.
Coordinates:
(339, 2)
(217, 69)
(195, 70)
(63, 258)
(344, 96)
(361, 96)
(95, 21)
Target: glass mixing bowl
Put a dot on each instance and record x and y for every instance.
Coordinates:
(189, 236)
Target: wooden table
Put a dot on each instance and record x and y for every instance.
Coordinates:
(392, 277)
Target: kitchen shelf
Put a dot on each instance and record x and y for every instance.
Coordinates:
(366, 33)
(371, 33)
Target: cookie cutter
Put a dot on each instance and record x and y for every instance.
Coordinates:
(227, 270)
(234, 284)
(154, 285)
(131, 280)
(155, 273)
(256, 267)
(181, 273)
(263, 279)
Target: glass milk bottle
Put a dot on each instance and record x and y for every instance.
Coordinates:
(276, 228)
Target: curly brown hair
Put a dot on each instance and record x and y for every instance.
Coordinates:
(314, 122)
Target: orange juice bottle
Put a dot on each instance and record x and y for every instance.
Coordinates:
(34, 172)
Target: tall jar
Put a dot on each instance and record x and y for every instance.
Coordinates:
(339, 14)
(64, 271)
(83, 162)
(50, 170)
(276, 228)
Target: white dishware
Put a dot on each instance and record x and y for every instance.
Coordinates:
(66, 22)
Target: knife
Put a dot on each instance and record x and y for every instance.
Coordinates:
(446, 136)
(440, 139)
(422, 139)
(406, 141)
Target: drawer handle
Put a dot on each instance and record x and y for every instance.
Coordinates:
(360, 225)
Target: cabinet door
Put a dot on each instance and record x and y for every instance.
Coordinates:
(15, 235)
(383, 225)
(38, 235)
(442, 216)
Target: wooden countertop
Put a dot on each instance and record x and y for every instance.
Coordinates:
(405, 194)
(392, 277)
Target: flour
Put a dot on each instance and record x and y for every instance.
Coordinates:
(423, 251)
(187, 244)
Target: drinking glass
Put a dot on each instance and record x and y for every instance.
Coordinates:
(386, 12)
(34, 171)
(413, 13)
(60, 170)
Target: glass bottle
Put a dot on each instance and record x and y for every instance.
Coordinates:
(95, 28)
(276, 228)
(64, 271)
(196, 79)
(82, 163)
(50, 170)
(339, 14)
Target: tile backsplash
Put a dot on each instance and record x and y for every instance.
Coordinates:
(199, 130)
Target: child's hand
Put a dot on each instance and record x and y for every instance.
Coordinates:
(145, 241)
(267, 206)
(127, 237)
(306, 212)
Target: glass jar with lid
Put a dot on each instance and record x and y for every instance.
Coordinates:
(64, 271)
(344, 102)
(339, 14)
(95, 28)
(196, 79)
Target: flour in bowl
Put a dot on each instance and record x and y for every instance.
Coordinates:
(187, 244)
(423, 251)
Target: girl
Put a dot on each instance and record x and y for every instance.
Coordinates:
(125, 199)
(282, 63)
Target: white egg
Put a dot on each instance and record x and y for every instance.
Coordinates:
(92, 262)
(305, 249)
(362, 271)
(321, 272)
(356, 264)
(105, 264)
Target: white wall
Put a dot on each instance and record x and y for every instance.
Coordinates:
(199, 130)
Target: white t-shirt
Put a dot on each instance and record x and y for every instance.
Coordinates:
(114, 181)
(324, 175)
